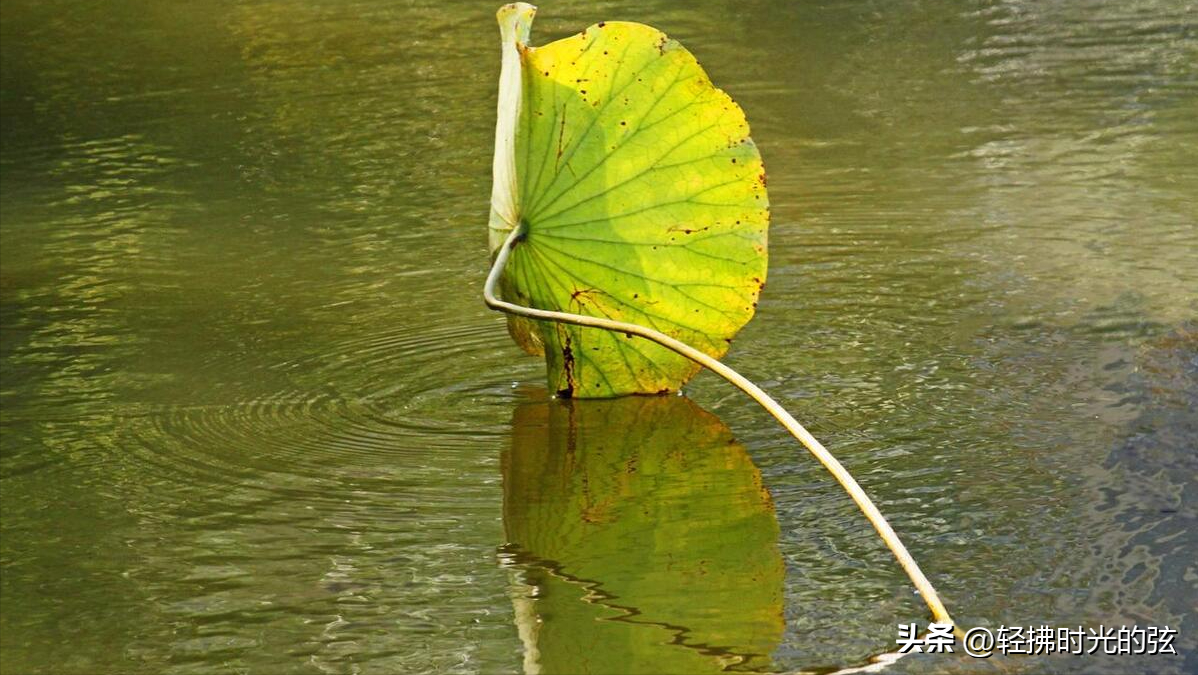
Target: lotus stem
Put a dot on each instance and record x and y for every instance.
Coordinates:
(889, 536)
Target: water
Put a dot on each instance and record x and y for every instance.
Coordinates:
(256, 418)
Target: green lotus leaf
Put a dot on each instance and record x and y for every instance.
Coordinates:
(641, 197)
(658, 544)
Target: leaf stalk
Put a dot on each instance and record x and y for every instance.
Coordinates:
(843, 477)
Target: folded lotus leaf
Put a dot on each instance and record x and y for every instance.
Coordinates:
(641, 197)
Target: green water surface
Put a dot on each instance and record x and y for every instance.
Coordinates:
(255, 418)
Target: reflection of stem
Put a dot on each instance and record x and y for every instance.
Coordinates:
(597, 595)
(842, 476)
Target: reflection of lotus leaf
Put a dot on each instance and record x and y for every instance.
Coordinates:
(642, 200)
(648, 535)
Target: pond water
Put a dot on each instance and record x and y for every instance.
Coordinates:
(255, 417)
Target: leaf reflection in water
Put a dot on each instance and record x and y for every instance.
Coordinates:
(643, 538)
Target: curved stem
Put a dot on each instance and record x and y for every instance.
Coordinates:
(842, 476)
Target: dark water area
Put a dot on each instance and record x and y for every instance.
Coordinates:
(255, 418)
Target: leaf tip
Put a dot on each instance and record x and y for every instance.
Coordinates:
(515, 22)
